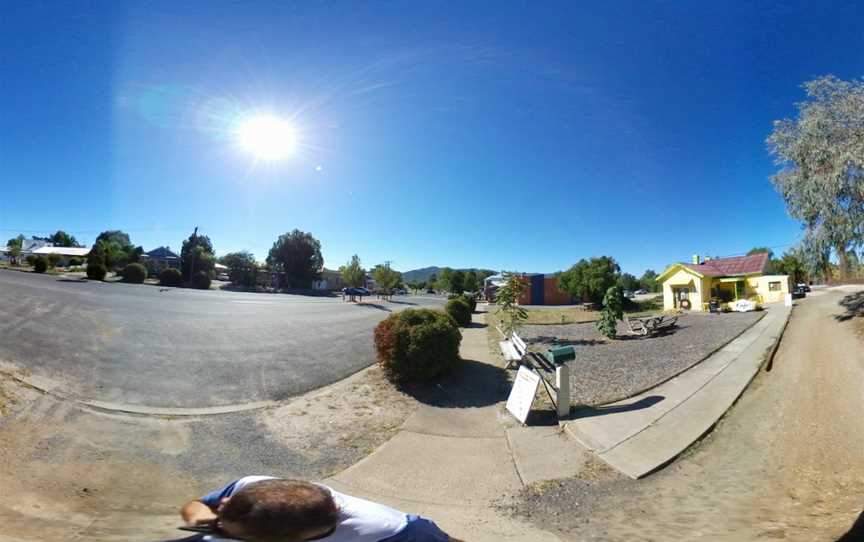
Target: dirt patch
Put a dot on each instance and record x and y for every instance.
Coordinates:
(338, 426)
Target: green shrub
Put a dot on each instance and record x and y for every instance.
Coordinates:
(459, 309)
(417, 344)
(134, 272)
(40, 264)
(170, 277)
(30, 259)
(75, 262)
(96, 271)
(201, 280)
(54, 259)
(470, 299)
(612, 311)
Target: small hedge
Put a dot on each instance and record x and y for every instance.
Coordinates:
(417, 344)
(459, 310)
(40, 264)
(96, 271)
(75, 262)
(201, 280)
(135, 273)
(170, 277)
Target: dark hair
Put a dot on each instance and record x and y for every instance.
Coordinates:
(271, 509)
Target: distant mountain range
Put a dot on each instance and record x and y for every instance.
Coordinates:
(422, 275)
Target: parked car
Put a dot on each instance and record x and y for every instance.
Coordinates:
(400, 292)
(803, 286)
(799, 291)
(629, 294)
(430, 291)
(363, 291)
(641, 292)
(223, 276)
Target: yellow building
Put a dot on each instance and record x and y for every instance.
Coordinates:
(692, 286)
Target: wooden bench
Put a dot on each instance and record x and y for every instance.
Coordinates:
(514, 351)
(650, 325)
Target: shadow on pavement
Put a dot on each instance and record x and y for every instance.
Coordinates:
(79, 281)
(545, 339)
(590, 412)
(402, 302)
(474, 384)
(854, 305)
(373, 306)
(856, 532)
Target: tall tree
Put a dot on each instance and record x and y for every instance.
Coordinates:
(114, 250)
(196, 255)
(63, 239)
(821, 159)
(14, 246)
(457, 282)
(589, 280)
(628, 282)
(445, 279)
(297, 255)
(353, 273)
(471, 283)
(385, 277)
(242, 268)
(648, 281)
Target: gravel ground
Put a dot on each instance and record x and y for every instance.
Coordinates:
(607, 371)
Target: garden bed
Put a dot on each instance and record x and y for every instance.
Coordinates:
(605, 371)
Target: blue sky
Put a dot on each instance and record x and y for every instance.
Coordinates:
(505, 135)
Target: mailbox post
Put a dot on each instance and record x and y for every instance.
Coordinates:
(559, 357)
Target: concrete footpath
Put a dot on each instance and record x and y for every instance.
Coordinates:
(639, 435)
(452, 459)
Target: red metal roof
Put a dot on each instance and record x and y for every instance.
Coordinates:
(737, 265)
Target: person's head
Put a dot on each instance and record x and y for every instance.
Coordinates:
(278, 511)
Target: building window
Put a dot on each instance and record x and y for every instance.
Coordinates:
(774, 286)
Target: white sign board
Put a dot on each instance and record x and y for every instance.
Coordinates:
(787, 300)
(744, 305)
(522, 395)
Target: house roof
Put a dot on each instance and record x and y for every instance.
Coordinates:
(726, 267)
(161, 253)
(63, 251)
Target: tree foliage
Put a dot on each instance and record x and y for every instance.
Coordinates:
(444, 280)
(628, 282)
(297, 255)
(385, 277)
(114, 250)
(14, 246)
(471, 282)
(197, 255)
(588, 280)
(63, 239)
(507, 297)
(821, 158)
(242, 268)
(613, 310)
(457, 282)
(648, 281)
(353, 274)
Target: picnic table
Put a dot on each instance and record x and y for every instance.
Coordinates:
(650, 325)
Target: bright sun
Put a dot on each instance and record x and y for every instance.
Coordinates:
(267, 137)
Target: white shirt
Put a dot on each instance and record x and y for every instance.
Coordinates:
(359, 520)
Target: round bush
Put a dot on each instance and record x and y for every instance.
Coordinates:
(459, 310)
(471, 300)
(75, 262)
(30, 259)
(134, 272)
(201, 280)
(40, 264)
(417, 344)
(170, 277)
(96, 271)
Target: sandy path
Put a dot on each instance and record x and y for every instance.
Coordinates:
(786, 463)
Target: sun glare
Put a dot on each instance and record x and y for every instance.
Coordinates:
(267, 137)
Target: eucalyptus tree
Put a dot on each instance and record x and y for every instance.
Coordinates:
(821, 159)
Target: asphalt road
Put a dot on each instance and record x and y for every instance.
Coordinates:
(146, 346)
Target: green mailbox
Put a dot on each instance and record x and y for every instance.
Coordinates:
(560, 354)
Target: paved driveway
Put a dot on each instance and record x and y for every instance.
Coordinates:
(147, 346)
